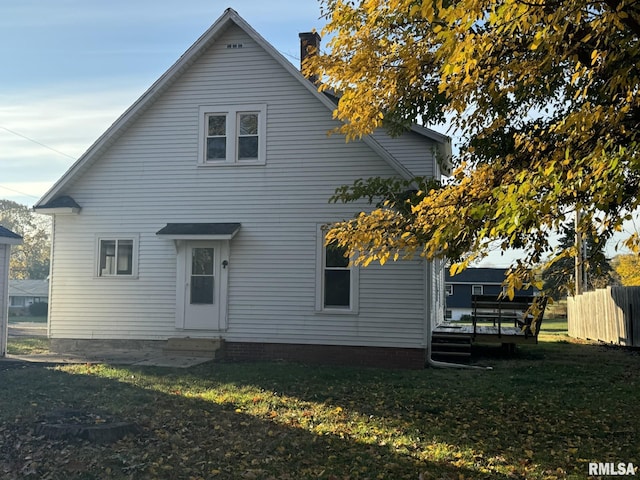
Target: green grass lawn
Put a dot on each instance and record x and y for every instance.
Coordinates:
(543, 413)
(27, 345)
(28, 319)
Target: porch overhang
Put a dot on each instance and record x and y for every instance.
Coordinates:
(199, 231)
(64, 205)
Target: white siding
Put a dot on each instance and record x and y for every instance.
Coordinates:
(150, 176)
(414, 151)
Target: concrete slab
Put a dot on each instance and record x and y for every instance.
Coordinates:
(173, 361)
(113, 358)
(27, 329)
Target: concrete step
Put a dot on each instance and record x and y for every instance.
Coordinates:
(193, 347)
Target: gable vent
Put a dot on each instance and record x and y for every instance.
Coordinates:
(234, 45)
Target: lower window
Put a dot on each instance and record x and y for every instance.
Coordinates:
(337, 281)
(337, 278)
(116, 257)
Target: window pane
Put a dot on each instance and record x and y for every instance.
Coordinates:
(335, 256)
(337, 288)
(202, 261)
(217, 125)
(248, 124)
(247, 148)
(216, 148)
(125, 257)
(107, 257)
(202, 290)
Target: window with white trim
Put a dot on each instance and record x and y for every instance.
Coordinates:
(448, 288)
(337, 280)
(233, 135)
(477, 290)
(117, 256)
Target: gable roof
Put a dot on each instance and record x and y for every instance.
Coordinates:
(28, 288)
(229, 17)
(8, 237)
(477, 276)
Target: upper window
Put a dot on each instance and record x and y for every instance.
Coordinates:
(117, 257)
(448, 288)
(337, 280)
(477, 290)
(233, 135)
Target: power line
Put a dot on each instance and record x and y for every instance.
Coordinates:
(18, 191)
(37, 142)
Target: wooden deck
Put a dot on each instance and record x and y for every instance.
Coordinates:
(485, 333)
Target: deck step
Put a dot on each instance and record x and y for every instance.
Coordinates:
(451, 345)
(451, 354)
(451, 336)
(193, 347)
(446, 345)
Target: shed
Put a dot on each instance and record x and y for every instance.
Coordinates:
(7, 239)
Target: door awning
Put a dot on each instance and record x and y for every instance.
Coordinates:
(199, 231)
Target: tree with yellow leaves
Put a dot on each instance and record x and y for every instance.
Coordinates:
(627, 266)
(545, 94)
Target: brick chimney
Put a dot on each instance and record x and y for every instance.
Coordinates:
(309, 45)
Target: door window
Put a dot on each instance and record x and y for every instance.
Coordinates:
(202, 277)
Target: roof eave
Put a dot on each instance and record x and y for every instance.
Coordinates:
(10, 241)
(57, 211)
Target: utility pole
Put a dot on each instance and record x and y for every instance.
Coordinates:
(579, 265)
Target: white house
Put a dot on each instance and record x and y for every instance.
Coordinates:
(7, 239)
(24, 293)
(199, 214)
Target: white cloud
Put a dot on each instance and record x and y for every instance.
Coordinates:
(59, 127)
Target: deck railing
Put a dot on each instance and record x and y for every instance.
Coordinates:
(610, 315)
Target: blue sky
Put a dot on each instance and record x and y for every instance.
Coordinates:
(71, 67)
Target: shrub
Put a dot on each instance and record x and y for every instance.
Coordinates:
(39, 309)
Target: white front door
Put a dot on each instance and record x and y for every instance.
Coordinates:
(204, 276)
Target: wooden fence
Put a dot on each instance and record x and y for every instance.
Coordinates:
(610, 315)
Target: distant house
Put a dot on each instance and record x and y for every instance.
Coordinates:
(7, 239)
(24, 293)
(473, 281)
(199, 215)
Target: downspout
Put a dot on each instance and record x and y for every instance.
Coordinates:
(430, 318)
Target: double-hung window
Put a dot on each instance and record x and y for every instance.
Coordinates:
(337, 280)
(117, 257)
(233, 135)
